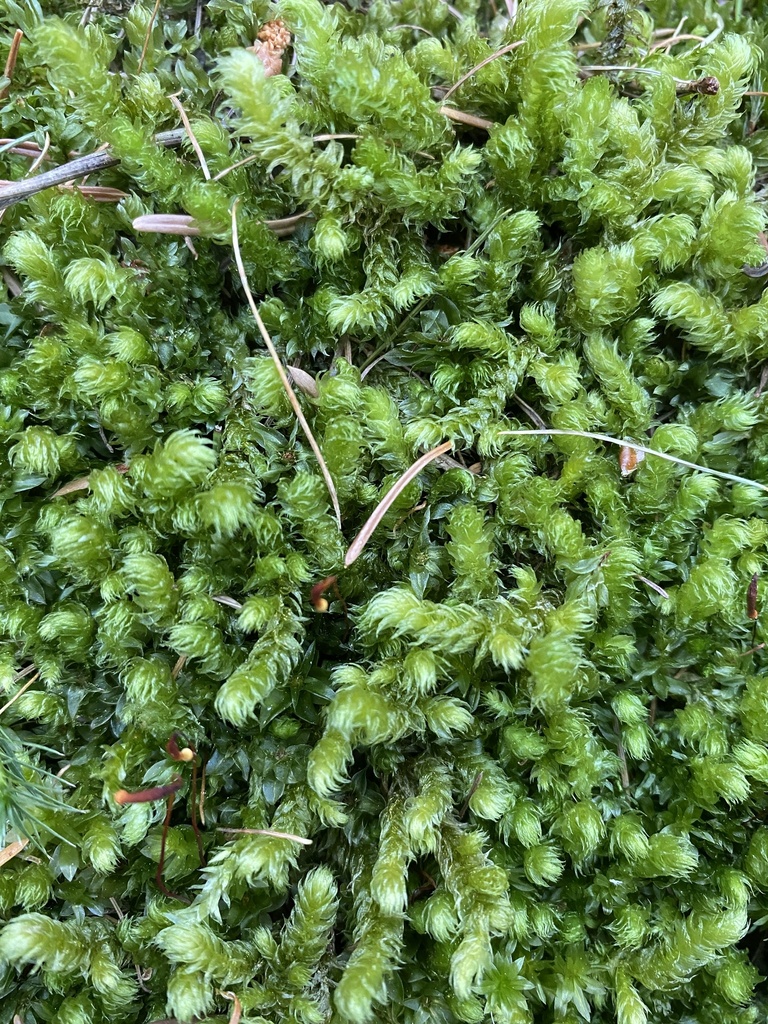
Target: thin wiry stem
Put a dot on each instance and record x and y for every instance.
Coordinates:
(10, 64)
(147, 37)
(19, 692)
(499, 53)
(639, 448)
(191, 136)
(384, 505)
(281, 370)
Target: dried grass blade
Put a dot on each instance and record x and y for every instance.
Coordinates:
(266, 832)
(166, 224)
(304, 381)
(148, 36)
(191, 136)
(23, 689)
(640, 448)
(468, 119)
(281, 370)
(12, 850)
(494, 56)
(10, 64)
(384, 505)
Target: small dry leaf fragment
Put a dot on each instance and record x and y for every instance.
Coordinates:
(304, 381)
(752, 598)
(271, 43)
(82, 483)
(629, 459)
(166, 224)
(12, 850)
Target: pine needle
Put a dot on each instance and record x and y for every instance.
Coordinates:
(281, 370)
(383, 507)
(639, 448)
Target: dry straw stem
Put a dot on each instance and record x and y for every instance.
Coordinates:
(19, 692)
(494, 56)
(638, 448)
(191, 135)
(237, 1009)
(281, 370)
(12, 850)
(266, 832)
(10, 64)
(147, 37)
(383, 507)
(469, 119)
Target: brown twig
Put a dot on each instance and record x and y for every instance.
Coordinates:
(20, 190)
(177, 668)
(383, 507)
(10, 64)
(281, 370)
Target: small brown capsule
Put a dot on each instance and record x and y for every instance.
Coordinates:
(629, 459)
(320, 603)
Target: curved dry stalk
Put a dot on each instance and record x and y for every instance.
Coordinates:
(281, 370)
(191, 136)
(237, 1008)
(494, 56)
(639, 448)
(22, 689)
(383, 507)
(147, 37)
(10, 64)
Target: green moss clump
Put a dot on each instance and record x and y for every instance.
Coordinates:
(527, 736)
